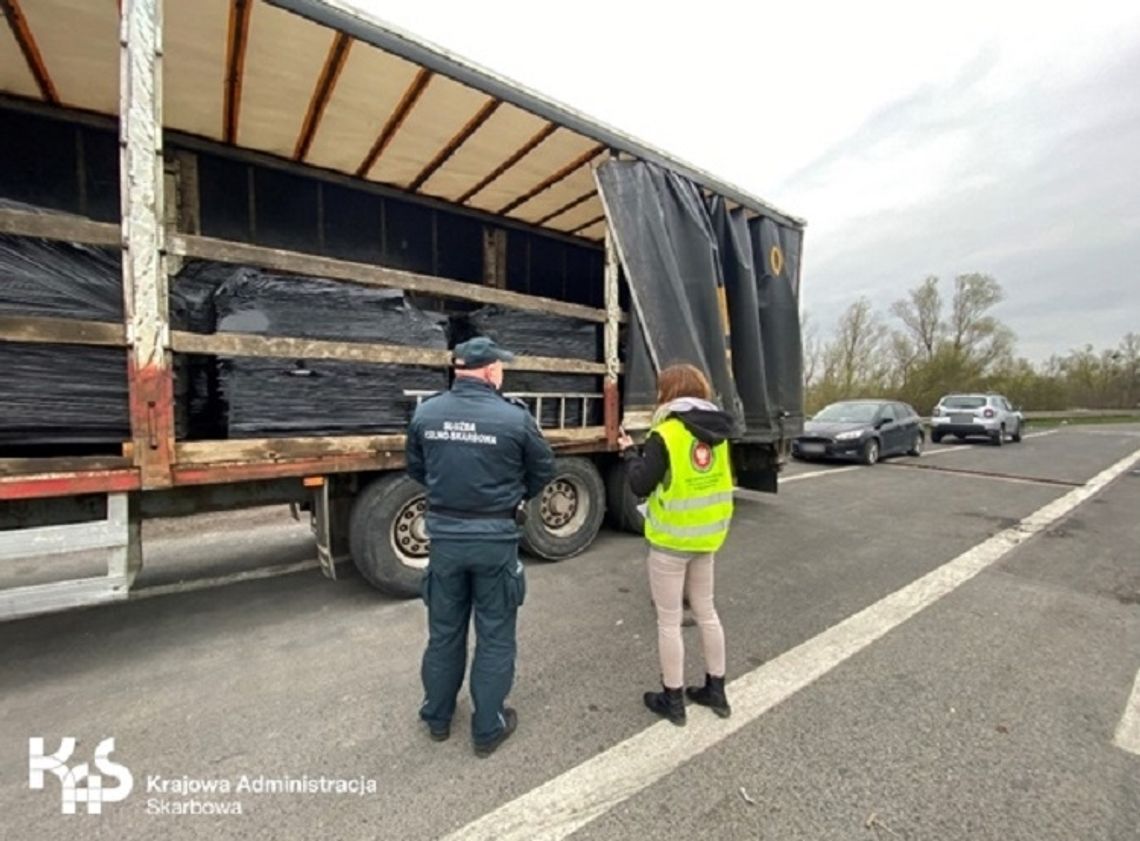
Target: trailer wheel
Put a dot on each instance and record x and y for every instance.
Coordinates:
(621, 503)
(388, 536)
(565, 518)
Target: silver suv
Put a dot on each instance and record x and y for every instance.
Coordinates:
(965, 415)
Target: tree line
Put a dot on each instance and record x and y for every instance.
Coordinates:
(927, 346)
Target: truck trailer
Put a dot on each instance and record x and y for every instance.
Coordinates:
(292, 203)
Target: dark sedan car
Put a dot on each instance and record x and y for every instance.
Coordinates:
(865, 430)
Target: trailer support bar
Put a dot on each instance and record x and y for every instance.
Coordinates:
(144, 266)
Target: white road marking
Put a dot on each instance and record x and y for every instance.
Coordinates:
(961, 448)
(832, 472)
(1120, 433)
(568, 802)
(1040, 434)
(1128, 733)
(975, 475)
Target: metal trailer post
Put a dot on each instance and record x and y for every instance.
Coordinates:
(150, 383)
(145, 295)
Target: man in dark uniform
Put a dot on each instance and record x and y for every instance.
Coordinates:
(480, 456)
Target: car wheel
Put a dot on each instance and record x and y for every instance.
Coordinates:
(1016, 437)
(916, 445)
(936, 437)
(998, 438)
(870, 453)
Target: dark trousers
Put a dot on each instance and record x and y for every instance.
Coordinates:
(462, 575)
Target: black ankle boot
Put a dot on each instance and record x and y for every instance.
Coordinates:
(711, 695)
(669, 703)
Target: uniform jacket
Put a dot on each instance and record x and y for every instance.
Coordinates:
(476, 451)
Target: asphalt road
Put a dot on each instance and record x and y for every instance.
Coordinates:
(932, 648)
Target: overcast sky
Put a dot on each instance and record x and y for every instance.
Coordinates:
(995, 137)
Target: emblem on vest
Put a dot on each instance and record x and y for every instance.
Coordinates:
(701, 456)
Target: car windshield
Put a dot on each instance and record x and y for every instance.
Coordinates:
(848, 413)
(964, 402)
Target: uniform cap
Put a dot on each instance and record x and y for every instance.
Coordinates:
(479, 353)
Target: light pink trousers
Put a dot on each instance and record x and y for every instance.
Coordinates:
(671, 578)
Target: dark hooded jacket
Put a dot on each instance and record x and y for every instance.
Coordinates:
(647, 469)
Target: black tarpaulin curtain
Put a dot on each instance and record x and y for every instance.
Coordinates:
(682, 257)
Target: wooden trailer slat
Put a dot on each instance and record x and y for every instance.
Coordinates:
(220, 474)
(61, 331)
(251, 452)
(59, 226)
(60, 465)
(279, 449)
(295, 262)
(240, 344)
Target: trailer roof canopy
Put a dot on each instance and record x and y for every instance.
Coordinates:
(316, 82)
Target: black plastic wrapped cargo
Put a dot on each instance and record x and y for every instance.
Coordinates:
(539, 334)
(61, 395)
(199, 411)
(267, 397)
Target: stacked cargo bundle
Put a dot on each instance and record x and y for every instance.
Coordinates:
(267, 397)
(539, 334)
(51, 394)
(199, 411)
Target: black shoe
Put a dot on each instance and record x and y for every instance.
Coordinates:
(439, 734)
(511, 719)
(668, 703)
(711, 695)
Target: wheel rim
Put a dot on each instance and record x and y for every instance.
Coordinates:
(408, 534)
(872, 452)
(918, 444)
(564, 506)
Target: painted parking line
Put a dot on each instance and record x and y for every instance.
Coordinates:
(831, 472)
(986, 474)
(961, 448)
(1128, 733)
(567, 803)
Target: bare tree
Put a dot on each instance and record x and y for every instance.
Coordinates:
(812, 350)
(1129, 355)
(905, 355)
(854, 357)
(974, 333)
(921, 314)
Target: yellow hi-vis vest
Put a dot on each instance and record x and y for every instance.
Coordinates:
(691, 509)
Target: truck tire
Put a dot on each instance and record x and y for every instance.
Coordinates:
(387, 536)
(621, 503)
(565, 518)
